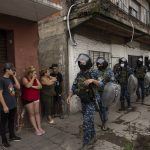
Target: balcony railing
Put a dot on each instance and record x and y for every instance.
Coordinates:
(121, 5)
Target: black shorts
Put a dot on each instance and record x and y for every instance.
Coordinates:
(25, 102)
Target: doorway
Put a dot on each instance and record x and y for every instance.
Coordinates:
(6, 47)
(132, 60)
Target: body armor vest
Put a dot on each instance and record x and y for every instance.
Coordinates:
(140, 72)
(123, 75)
(85, 93)
(103, 76)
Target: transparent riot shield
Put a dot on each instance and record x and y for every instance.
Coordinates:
(111, 94)
(132, 86)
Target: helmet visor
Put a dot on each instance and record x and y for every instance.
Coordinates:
(123, 59)
(140, 59)
(82, 58)
(100, 60)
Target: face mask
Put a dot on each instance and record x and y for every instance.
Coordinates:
(122, 65)
(140, 63)
(100, 68)
(82, 67)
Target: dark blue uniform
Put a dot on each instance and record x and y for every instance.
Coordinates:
(103, 77)
(140, 72)
(122, 76)
(87, 96)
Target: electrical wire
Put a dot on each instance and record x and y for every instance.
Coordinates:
(68, 24)
(132, 31)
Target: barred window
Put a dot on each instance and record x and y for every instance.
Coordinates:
(95, 54)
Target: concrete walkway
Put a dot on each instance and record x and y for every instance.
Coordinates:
(67, 133)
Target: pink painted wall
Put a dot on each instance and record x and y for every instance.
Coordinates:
(23, 51)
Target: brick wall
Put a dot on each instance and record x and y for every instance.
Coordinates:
(25, 41)
(56, 1)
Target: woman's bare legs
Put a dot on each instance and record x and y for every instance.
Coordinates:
(31, 111)
(37, 115)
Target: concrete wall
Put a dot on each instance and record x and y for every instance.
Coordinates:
(24, 41)
(53, 46)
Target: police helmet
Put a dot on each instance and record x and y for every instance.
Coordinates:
(123, 60)
(140, 62)
(84, 61)
(101, 63)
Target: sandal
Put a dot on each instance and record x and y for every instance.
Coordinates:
(42, 131)
(38, 133)
(51, 122)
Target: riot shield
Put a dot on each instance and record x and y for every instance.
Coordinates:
(147, 80)
(132, 85)
(111, 94)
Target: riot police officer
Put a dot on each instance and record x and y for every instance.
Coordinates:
(147, 79)
(140, 72)
(103, 76)
(122, 74)
(148, 65)
(86, 94)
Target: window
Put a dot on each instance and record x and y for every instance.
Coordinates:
(135, 9)
(133, 12)
(95, 54)
(144, 15)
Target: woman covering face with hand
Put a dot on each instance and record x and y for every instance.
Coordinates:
(31, 98)
(47, 93)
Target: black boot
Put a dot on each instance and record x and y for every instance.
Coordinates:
(138, 99)
(122, 107)
(142, 102)
(129, 105)
(5, 143)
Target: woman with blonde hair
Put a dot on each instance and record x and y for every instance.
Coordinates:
(47, 93)
(31, 97)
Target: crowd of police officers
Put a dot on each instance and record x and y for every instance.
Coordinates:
(90, 85)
